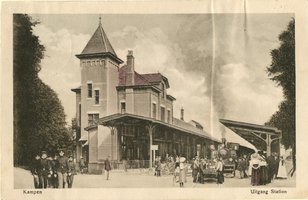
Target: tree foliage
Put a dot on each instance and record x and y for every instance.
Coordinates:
(282, 71)
(39, 119)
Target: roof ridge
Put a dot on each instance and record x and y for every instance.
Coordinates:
(142, 77)
(102, 35)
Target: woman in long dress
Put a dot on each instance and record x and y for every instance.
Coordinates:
(282, 172)
(182, 178)
(256, 173)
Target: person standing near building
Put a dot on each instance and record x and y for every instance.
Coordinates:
(270, 167)
(53, 172)
(82, 164)
(158, 166)
(282, 172)
(219, 170)
(155, 165)
(71, 171)
(201, 168)
(107, 167)
(196, 169)
(182, 178)
(256, 173)
(275, 165)
(241, 167)
(44, 169)
(62, 169)
(34, 171)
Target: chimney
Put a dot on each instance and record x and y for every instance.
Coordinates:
(182, 114)
(130, 69)
(223, 140)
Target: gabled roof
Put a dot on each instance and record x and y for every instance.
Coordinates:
(99, 44)
(141, 79)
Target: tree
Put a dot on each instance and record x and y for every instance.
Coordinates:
(39, 120)
(282, 71)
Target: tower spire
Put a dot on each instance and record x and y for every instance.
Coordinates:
(100, 22)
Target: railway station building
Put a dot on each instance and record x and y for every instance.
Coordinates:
(128, 115)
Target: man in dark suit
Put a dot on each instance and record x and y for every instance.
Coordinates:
(201, 163)
(34, 171)
(62, 167)
(44, 169)
(107, 166)
(270, 165)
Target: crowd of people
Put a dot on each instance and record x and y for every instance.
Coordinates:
(53, 172)
(263, 170)
(260, 169)
(198, 166)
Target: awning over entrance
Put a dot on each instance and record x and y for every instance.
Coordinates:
(258, 135)
(118, 119)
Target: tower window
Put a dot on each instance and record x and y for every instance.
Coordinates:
(93, 63)
(103, 63)
(89, 90)
(154, 110)
(88, 63)
(123, 108)
(83, 64)
(96, 96)
(97, 62)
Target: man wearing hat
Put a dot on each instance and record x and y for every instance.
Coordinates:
(82, 164)
(196, 169)
(71, 171)
(270, 165)
(107, 167)
(34, 171)
(62, 169)
(53, 173)
(201, 163)
(44, 169)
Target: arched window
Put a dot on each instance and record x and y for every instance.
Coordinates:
(88, 63)
(97, 63)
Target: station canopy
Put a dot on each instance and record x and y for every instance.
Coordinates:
(257, 135)
(129, 119)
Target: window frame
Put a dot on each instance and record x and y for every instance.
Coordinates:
(90, 90)
(96, 97)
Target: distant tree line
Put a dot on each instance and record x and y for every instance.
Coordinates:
(282, 71)
(39, 119)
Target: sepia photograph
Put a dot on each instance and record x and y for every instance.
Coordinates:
(184, 100)
(112, 101)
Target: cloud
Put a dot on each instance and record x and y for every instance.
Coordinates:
(60, 67)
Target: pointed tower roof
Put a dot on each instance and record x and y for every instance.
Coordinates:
(99, 44)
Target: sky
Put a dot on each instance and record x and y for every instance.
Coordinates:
(215, 63)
